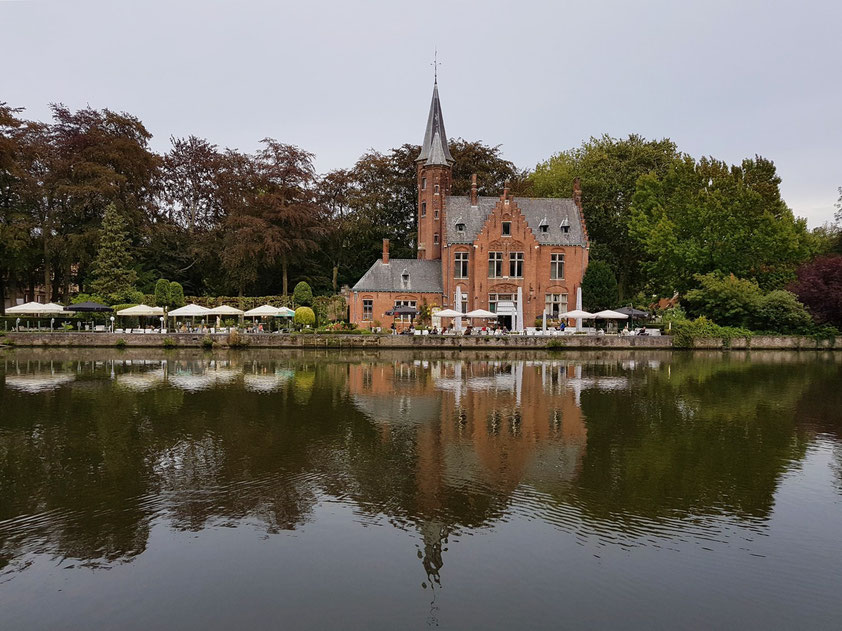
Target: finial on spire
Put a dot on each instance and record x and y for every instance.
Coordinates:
(436, 63)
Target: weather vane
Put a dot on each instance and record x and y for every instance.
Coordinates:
(436, 63)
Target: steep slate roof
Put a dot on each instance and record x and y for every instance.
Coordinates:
(424, 277)
(555, 209)
(435, 149)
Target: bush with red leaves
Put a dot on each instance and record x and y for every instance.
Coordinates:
(819, 287)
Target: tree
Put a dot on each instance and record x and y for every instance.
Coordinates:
(608, 169)
(114, 275)
(189, 183)
(492, 170)
(176, 295)
(599, 287)
(162, 293)
(702, 217)
(302, 294)
(818, 285)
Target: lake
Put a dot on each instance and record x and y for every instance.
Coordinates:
(145, 489)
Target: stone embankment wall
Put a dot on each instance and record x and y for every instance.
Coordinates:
(187, 340)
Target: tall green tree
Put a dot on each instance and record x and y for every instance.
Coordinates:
(114, 276)
(706, 216)
(599, 287)
(608, 169)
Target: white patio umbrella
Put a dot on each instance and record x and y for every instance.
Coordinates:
(35, 308)
(610, 315)
(577, 314)
(480, 313)
(449, 313)
(285, 312)
(262, 310)
(224, 310)
(191, 311)
(141, 310)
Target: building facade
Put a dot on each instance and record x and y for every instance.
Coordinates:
(516, 256)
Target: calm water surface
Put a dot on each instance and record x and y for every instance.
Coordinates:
(189, 490)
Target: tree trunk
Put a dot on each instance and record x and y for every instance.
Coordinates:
(284, 268)
(335, 278)
(47, 272)
(2, 296)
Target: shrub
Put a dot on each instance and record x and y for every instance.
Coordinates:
(302, 294)
(687, 331)
(120, 343)
(728, 300)
(176, 295)
(169, 342)
(162, 293)
(304, 316)
(207, 342)
(236, 340)
(780, 312)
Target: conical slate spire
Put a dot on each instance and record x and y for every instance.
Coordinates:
(435, 149)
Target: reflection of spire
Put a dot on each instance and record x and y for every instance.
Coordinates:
(434, 534)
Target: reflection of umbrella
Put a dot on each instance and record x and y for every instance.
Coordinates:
(34, 383)
(88, 307)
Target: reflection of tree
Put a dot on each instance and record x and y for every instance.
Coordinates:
(692, 438)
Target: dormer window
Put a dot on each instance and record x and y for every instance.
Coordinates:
(405, 276)
(565, 225)
(544, 226)
(460, 227)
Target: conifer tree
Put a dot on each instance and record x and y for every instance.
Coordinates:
(114, 276)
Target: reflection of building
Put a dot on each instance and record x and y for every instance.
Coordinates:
(476, 426)
(503, 253)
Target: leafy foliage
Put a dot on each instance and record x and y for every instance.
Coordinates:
(819, 286)
(176, 295)
(304, 316)
(599, 287)
(114, 275)
(703, 217)
(162, 293)
(302, 294)
(608, 169)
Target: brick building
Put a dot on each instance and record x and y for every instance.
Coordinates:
(511, 255)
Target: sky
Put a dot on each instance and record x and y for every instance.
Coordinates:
(725, 79)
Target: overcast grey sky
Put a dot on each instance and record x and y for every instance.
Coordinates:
(724, 78)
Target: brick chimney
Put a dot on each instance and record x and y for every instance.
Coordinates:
(577, 193)
(385, 251)
(474, 189)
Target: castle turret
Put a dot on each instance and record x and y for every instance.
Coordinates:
(434, 167)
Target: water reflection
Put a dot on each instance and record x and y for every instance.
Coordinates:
(623, 449)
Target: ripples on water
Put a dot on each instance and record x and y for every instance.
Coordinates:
(634, 459)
